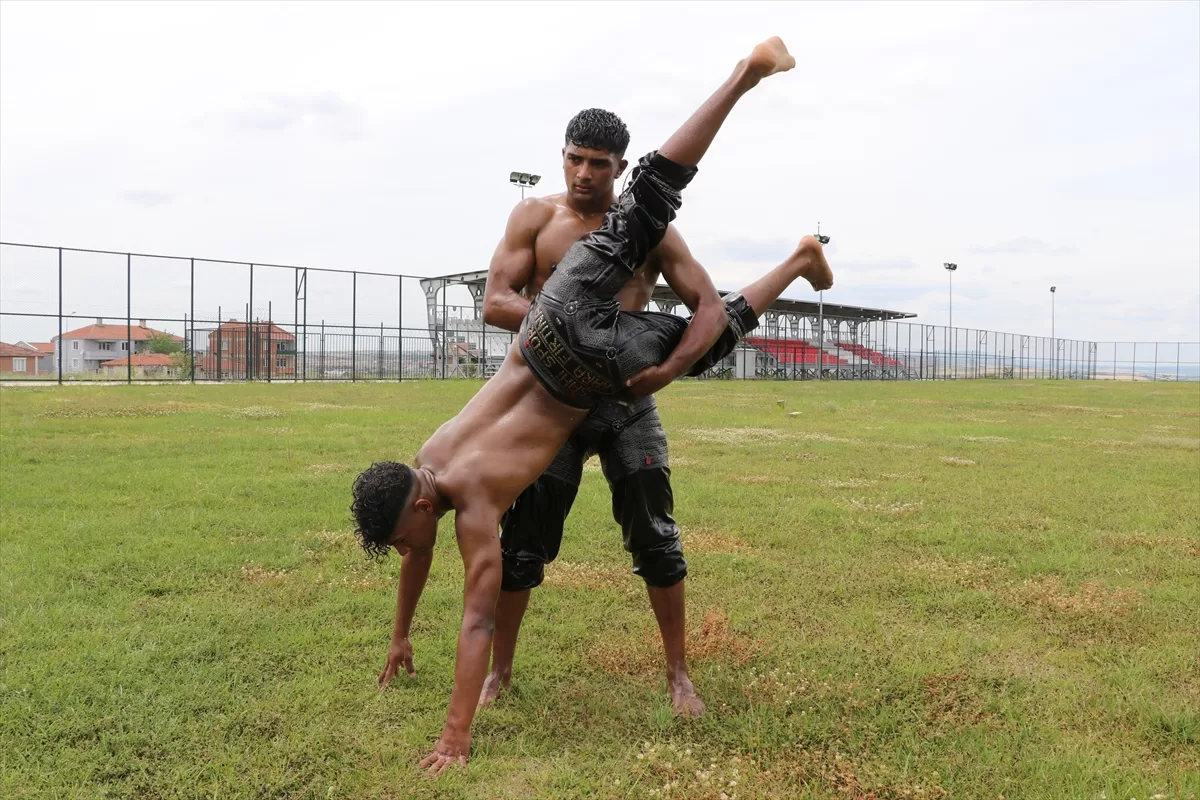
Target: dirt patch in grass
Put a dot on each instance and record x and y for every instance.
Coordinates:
(710, 638)
(979, 574)
(164, 409)
(322, 469)
(830, 483)
(588, 576)
(755, 479)
(986, 439)
(893, 509)
(710, 540)
(950, 702)
(1178, 442)
(337, 540)
(954, 461)
(663, 770)
(359, 576)
(254, 412)
(758, 436)
(1090, 599)
(256, 573)
(1122, 542)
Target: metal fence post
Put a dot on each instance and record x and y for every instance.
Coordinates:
(60, 319)
(270, 339)
(129, 318)
(353, 326)
(192, 336)
(400, 328)
(250, 327)
(295, 317)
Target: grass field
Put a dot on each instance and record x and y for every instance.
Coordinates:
(969, 590)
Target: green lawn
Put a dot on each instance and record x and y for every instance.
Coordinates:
(966, 590)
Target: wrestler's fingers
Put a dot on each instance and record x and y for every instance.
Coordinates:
(408, 666)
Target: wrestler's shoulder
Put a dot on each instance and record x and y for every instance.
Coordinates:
(538, 211)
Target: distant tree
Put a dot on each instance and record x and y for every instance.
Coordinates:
(164, 343)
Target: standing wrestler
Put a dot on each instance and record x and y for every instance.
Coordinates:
(628, 437)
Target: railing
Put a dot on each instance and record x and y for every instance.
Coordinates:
(310, 324)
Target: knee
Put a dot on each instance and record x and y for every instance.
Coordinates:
(661, 566)
(521, 574)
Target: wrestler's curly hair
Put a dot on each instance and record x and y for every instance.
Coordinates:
(379, 496)
(598, 129)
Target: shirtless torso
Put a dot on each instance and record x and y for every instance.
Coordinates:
(485, 462)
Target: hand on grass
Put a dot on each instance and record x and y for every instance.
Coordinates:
(451, 749)
(401, 652)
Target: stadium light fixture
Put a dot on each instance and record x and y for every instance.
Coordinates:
(951, 267)
(523, 180)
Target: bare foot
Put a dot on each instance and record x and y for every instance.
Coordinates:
(684, 698)
(813, 266)
(770, 57)
(492, 687)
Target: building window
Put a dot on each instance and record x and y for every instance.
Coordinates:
(105, 345)
(124, 345)
(75, 363)
(18, 365)
(75, 344)
(281, 362)
(225, 345)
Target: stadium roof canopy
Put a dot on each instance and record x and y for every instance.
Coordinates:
(663, 294)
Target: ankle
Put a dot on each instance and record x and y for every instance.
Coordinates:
(678, 676)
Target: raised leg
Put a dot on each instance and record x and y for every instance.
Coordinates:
(807, 261)
(689, 144)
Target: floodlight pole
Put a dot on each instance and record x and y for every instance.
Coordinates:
(951, 268)
(820, 326)
(1053, 341)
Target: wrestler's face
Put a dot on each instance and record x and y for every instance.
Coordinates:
(416, 529)
(590, 173)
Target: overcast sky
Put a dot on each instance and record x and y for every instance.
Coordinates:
(1032, 143)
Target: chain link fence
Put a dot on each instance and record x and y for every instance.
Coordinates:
(77, 315)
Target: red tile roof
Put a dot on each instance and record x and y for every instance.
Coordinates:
(142, 360)
(259, 328)
(12, 350)
(43, 347)
(117, 333)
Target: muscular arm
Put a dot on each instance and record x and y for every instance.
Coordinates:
(692, 284)
(479, 544)
(414, 570)
(512, 267)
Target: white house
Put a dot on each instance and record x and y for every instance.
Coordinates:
(85, 349)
